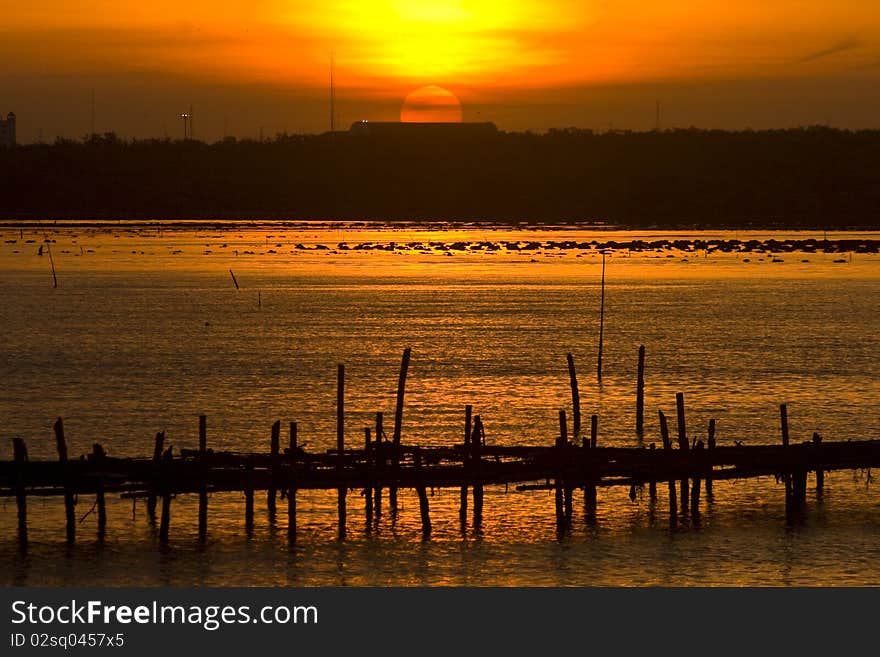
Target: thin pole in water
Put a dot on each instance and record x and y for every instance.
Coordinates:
(601, 322)
(52, 263)
(575, 397)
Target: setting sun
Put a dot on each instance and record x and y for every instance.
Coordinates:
(431, 104)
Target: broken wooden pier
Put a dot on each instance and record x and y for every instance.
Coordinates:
(380, 464)
(563, 463)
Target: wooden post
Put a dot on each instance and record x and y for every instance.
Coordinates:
(340, 447)
(249, 495)
(97, 457)
(652, 485)
(165, 521)
(291, 490)
(422, 493)
(477, 467)
(559, 455)
(157, 461)
(60, 442)
(69, 513)
(683, 445)
(557, 487)
(203, 485)
(664, 431)
(601, 323)
(575, 398)
(711, 445)
(274, 449)
(682, 429)
(820, 473)
(640, 393)
(19, 450)
(465, 465)
(783, 423)
(379, 460)
(567, 490)
(590, 497)
(667, 447)
(695, 489)
(398, 422)
(368, 462)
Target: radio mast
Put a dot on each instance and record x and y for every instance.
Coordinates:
(332, 98)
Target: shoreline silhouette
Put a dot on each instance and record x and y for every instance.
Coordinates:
(814, 177)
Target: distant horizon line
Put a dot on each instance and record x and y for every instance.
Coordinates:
(103, 137)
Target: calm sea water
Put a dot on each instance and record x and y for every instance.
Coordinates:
(146, 331)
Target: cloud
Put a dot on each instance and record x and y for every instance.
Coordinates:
(844, 45)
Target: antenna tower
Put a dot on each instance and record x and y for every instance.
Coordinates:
(332, 99)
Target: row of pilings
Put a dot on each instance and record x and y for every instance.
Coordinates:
(384, 464)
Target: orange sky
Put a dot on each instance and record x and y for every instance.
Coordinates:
(524, 64)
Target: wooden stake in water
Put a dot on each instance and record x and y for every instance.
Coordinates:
(398, 421)
(557, 484)
(165, 520)
(667, 447)
(640, 393)
(368, 491)
(783, 421)
(575, 398)
(711, 446)
(69, 513)
(601, 323)
(274, 449)
(234, 282)
(567, 489)
(379, 464)
(340, 445)
(682, 428)
(463, 499)
(52, 263)
(820, 474)
(590, 486)
(424, 511)
(98, 456)
(683, 445)
(157, 458)
(249, 495)
(695, 487)
(477, 469)
(291, 491)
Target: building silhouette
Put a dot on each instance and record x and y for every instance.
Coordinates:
(426, 129)
(7, 130)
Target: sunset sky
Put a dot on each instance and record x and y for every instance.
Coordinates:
(264, 64)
